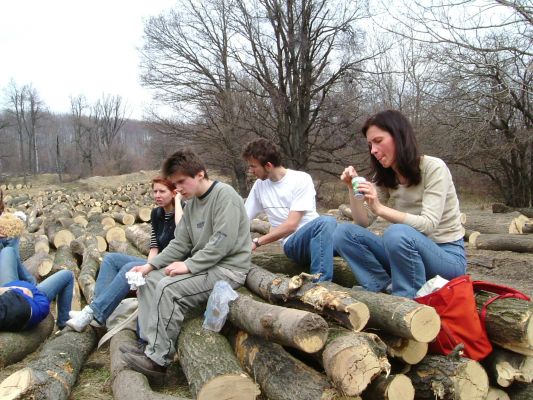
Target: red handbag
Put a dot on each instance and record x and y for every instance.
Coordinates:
(460, 322)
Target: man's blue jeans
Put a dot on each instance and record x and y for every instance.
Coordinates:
(312, 244)
(23, 273)
(58, 285)
(111, 285)
(402, 255)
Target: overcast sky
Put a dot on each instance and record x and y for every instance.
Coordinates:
(71, 47)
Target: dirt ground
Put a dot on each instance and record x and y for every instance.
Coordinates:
(94, 380)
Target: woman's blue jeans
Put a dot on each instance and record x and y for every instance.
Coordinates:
(403, 256)
(23, 273)
(312, 244)
(111, 285)
(60, 284)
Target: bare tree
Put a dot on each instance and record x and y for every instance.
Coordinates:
(483, 98)
(298, 52)
(186, 59)
(108, 117)
(84, 133)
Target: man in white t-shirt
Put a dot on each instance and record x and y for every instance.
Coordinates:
(288, 199)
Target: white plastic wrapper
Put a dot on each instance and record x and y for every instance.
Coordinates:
(217, 308)
(20, 215)
(135, 279)
(432, 285)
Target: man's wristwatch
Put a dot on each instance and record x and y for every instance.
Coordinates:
(256, 242)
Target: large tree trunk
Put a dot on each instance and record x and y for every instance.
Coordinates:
(299, 329)
(125, 248)
(352, 360)
(14, 346)
(40, 264)
(128, 384)
(449, 378)
(391, 387)
(54, 372)
(208, 379)
(281, 264)
(508, 322)
(280, 375)
(397, 315)
(334, 304)
(64, 259)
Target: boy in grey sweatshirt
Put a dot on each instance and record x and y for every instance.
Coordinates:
(212, 242)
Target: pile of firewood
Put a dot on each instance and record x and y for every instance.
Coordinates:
(286, 337)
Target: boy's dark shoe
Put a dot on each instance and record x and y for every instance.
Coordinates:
(141, 363)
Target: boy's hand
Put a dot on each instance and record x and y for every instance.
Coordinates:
(176, 268)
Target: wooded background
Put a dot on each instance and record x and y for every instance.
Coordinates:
(306, 74)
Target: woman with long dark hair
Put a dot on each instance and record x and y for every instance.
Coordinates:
(416, 194)
(111, 285)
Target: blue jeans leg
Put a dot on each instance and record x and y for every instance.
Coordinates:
(312, 244)
(415, 258)
(8, 266)
(23, 273)
(365, 254)
(111, 285)
(59, 285)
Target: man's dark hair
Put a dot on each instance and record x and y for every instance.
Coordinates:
(263, 151)
(185, 162)
(407, 154)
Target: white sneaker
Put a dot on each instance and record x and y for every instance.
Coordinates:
(74, 314)
(81, 319)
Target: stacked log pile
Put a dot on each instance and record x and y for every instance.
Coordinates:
(286, 338)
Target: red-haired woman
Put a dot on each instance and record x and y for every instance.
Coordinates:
(111, 285)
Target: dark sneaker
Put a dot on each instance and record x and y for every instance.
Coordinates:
(144, 365)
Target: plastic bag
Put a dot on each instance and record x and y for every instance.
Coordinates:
(432, 285)
(135, 279)
(218, 306)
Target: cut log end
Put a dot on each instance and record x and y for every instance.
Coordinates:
(472, 382)
(236, 387)
(311, 341)
(400, 388)
(63, 238)
(497, 394)
(358, 315)
(14, 386)
(425, 324)
(45, 267)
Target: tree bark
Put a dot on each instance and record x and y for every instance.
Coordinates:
(520, 391)
(14, 346)
(508, 322)
(281, 264)
(128, 384)
(258, 226)
(391, 387)
(126, 248)
(397, 315)
(490, 223)
(449, 378)
(335, 304)
(517, 243)
(505, 367)
(223, 379)
(139, 235)
(54, 372)
(294, 328)
(280, 375)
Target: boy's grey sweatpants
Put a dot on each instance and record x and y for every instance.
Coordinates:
(164, 302)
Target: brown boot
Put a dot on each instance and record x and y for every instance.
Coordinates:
(141, 363)
(134, 348)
